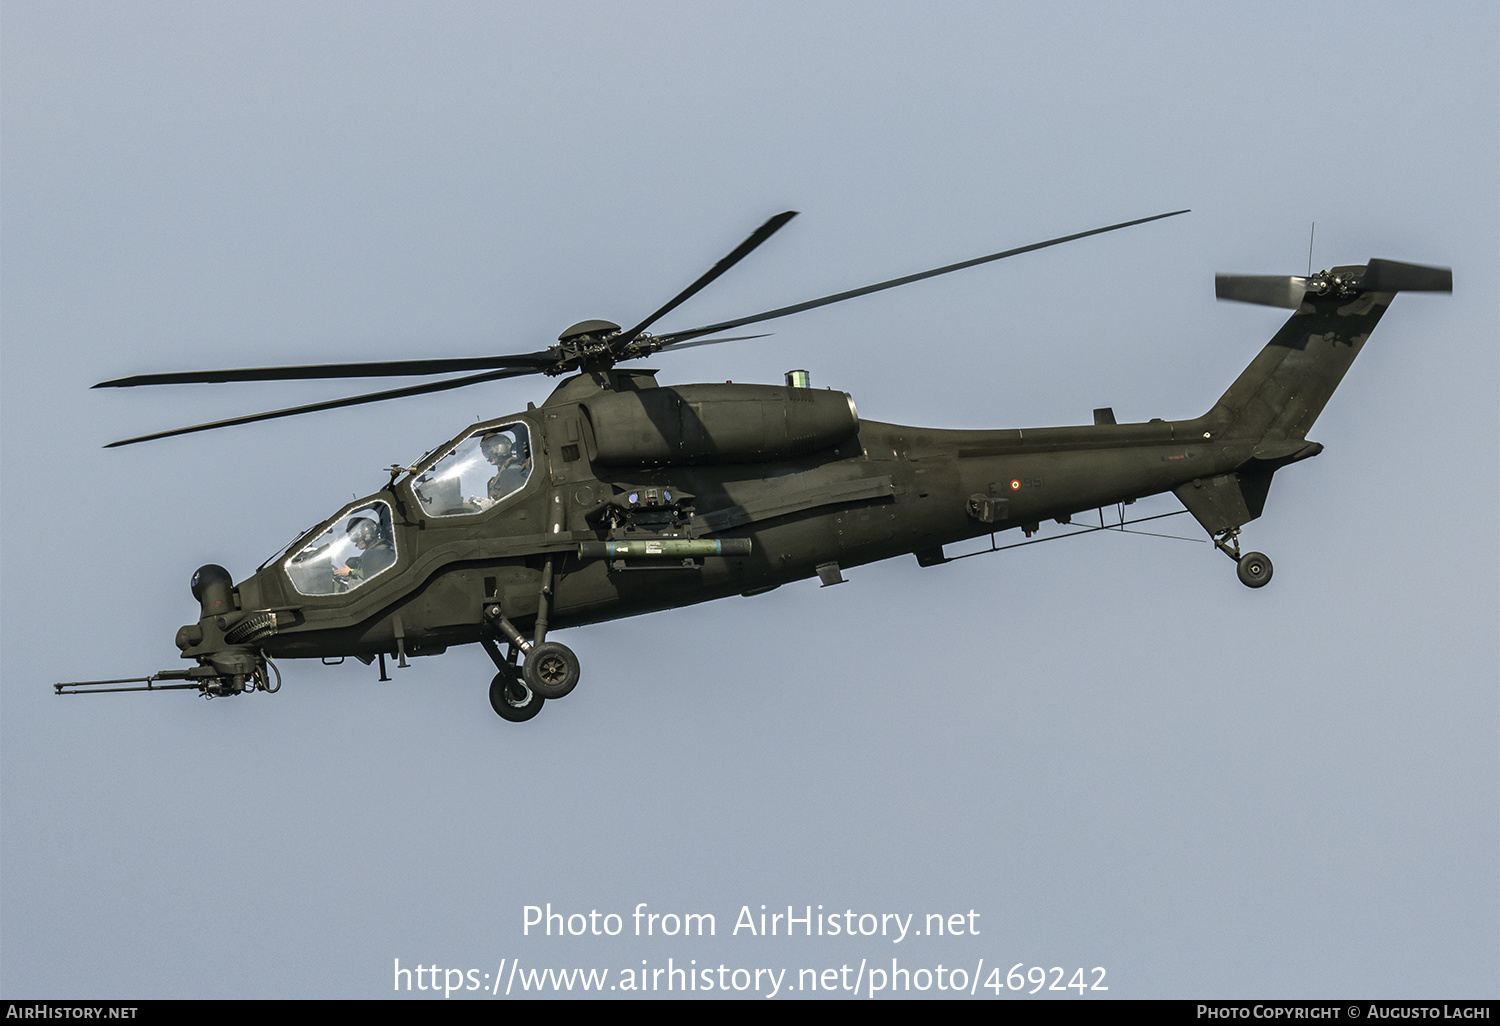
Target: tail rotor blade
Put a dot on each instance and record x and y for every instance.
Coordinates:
(1288, 292)
(1394, 276)
(1262, 289)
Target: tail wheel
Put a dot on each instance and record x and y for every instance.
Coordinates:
(551, 669)
(1254, 570)
(512, 699)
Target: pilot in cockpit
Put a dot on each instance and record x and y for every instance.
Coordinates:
(376, 551)
(512, 464)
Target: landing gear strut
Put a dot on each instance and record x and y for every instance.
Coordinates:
(550, 669)
(510, 696)
(1254, 568)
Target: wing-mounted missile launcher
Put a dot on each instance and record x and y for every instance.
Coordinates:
(620, 495)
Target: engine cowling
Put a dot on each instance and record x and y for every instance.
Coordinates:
(717, 423)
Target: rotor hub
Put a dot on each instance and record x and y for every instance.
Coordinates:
(598, 329)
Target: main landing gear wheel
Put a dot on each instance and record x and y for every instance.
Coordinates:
(1254, 570)
(512, 699)
(551, 669)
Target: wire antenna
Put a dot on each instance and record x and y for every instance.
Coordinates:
(1309, 247)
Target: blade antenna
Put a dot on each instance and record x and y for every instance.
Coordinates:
(1309, 247)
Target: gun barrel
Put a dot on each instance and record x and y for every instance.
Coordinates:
(94, 687)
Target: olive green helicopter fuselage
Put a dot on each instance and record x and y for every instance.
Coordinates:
(620, 496)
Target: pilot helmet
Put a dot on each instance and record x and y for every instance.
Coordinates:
(362, 529)
(495, 446)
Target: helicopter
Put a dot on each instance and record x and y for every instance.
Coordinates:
(619, 495)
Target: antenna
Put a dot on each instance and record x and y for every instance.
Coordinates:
(1309, 247)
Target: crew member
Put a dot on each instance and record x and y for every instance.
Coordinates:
(376, 552)
(511, 467)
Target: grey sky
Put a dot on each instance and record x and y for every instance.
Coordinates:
(1107, 747)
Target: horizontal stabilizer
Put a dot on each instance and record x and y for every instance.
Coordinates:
(1264, 289)
(1393, 276)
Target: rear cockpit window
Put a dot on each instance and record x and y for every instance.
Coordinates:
(357, 547)
(485, 468)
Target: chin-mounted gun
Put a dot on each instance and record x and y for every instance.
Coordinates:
(206, 680)
(223, 643)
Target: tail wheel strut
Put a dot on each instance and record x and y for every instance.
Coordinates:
(1253, 568)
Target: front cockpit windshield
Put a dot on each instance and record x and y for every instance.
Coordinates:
(358, 546)
(485, 468)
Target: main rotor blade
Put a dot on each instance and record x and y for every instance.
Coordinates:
(333, 404)
(674, 346)
(678, 336)
(384, 368)
(761, 234)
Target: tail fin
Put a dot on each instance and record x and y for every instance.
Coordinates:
(1281, 393)
(1274, 402)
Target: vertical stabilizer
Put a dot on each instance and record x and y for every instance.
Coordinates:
(1274, 402)
(1281, 393)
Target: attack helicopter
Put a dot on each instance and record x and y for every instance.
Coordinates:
(619, 495)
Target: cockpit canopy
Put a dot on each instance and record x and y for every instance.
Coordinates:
(355, 548)
(486, 467)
